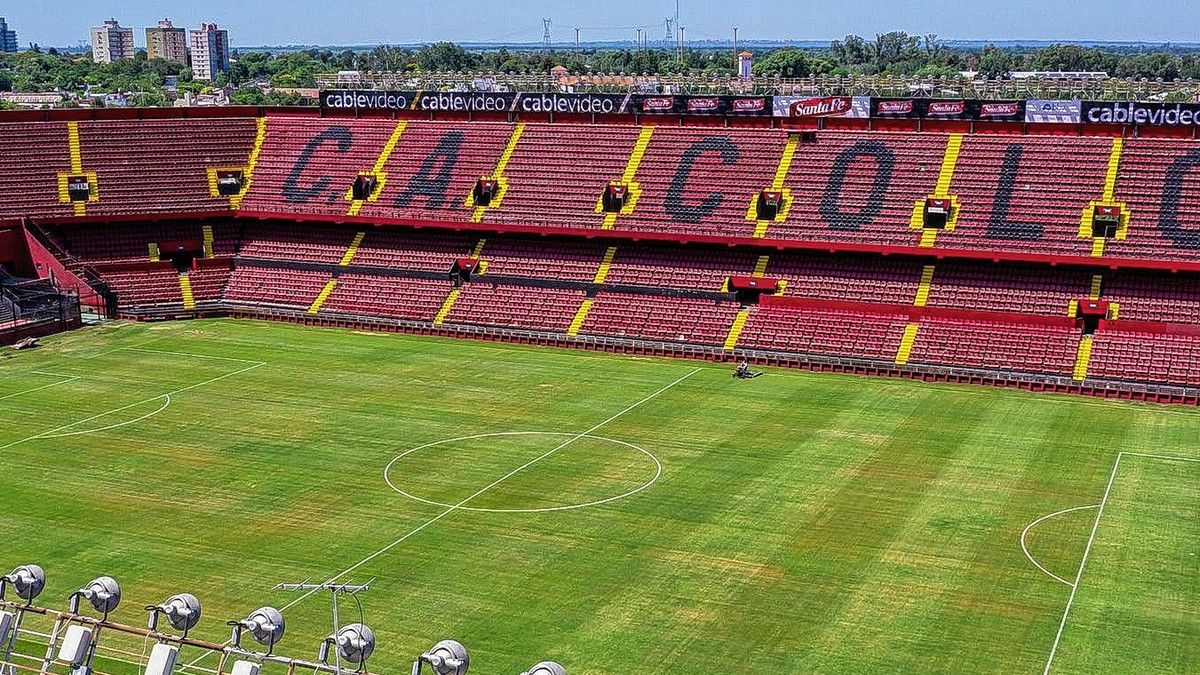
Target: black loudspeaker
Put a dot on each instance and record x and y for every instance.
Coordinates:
(229, 182)
(938, 211)
(769, 203)
(616, 195)
(364, 186)
(485, 191)
(78, 188)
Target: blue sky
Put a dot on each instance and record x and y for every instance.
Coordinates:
(254, 22)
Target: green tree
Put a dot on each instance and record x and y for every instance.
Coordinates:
(994, 62)
(788, 62)
(445, 56)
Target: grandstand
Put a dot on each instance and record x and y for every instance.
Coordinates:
(466, 225)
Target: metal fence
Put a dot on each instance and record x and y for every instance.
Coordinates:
(28, 305)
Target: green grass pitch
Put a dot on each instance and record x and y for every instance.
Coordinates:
(794, 523)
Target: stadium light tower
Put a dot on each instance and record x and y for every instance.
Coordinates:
(28, 582)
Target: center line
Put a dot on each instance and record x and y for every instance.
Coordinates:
(489, 486)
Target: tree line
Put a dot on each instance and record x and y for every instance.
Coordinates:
(254, 74)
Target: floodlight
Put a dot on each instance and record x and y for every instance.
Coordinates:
(182, 612)
(103, 593)
(265, 625)
(27, 580)
(447, 657)
(354, 643)
(546, 668)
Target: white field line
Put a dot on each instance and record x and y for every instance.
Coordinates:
(452, 509)
(1172, 458)
(166, 404)
(50, 433)
(488, 487)
(1030, 526)
(1083, 562)
(1092, 538)
(69, 378)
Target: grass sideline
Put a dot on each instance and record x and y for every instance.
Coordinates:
(806, 522)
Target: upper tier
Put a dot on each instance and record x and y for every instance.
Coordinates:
(1015, 194)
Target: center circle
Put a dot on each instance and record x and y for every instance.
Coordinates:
(658, 469)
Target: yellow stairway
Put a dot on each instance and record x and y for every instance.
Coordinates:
(923, 288)
(777, 184)
(377, 170)
(580, 317)
(322, 296)
(1082, 358)
(940, 191)
(627, 178)
(1108, 198)
(760, 267)
(906, 344)
(735, 331)
(185, 289)
(605, 265)
(498, 176)
(447, 305)
(208, 240)
(260, 136)
(353, 249)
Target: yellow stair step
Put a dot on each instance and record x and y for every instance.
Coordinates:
(447, 305)
(925, 285)
(735, 331)
(580, 316)
(353, 249)
(1082, 358)
(322, 296)
(906, 343)
(605, 265)
(185, 289)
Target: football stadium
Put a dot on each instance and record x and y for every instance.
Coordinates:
(777, 380)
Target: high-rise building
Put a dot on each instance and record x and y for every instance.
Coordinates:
(111, 42)
(210, 51)
(8, 38)
(165, 41)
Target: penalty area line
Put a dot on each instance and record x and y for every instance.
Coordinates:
(67, 379)
(51, 433)
(1062, 624)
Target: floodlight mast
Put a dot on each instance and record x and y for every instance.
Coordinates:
(354, 640)
(103, 595)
